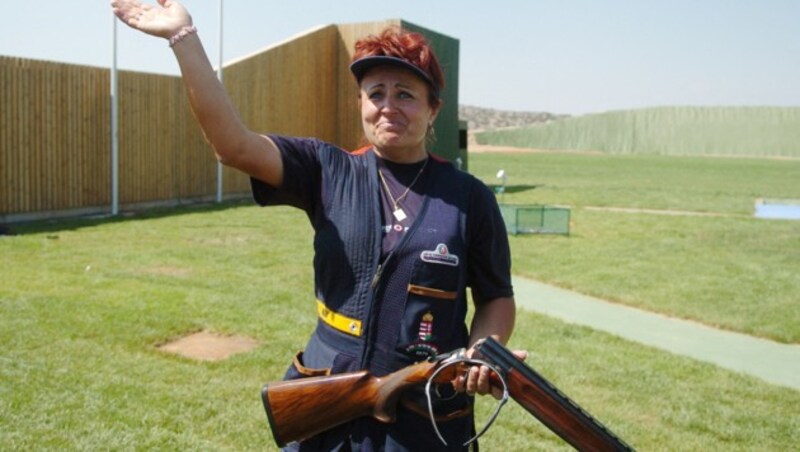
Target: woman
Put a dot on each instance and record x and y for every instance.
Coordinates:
(399, 234)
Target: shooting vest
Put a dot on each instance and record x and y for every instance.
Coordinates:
(381, 316)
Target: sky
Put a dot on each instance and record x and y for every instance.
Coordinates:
(560, 56)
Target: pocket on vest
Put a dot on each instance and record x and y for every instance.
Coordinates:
(318, 359)
(435, 278)
(298, 369)
(433, 314)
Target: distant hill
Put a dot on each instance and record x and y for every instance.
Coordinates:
(479, 118)
(730, 131)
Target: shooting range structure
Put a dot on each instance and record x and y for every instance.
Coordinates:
(535, 219)
(56, 132)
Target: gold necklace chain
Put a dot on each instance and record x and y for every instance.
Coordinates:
(395, 202)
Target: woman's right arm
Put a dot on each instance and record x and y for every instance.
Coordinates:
(234, 144)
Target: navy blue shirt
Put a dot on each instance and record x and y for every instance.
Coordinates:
(489, 255)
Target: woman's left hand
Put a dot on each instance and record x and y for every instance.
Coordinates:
(477, 378)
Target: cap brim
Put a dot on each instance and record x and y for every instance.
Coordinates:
(360, 67)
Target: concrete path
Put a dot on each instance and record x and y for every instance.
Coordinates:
(770, 361)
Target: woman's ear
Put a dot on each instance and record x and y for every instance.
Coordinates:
(435, 111)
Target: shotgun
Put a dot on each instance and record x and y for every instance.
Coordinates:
(545, 402)
(299, 409)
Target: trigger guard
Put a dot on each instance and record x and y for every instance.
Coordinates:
(478, 362)
(445, 398)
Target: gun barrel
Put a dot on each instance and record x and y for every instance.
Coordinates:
(554, 409)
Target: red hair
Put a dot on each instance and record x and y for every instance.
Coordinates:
(407, 45)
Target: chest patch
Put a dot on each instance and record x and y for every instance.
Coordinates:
(441, 255)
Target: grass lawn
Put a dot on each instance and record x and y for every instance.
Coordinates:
(732, 270)
(84, 304)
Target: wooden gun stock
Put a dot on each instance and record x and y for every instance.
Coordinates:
(543, 400)
(300, 409)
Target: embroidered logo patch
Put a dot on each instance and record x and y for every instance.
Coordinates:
(440, 255)
(426, 327)
(423, 348)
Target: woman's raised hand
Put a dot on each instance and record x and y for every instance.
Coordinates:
(164, 21)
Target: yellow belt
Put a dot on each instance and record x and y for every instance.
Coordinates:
(338, 321)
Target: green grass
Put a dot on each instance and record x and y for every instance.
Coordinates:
(651, 399)
(732, 270)
(84, 304)
(752, 131)
(703, 184)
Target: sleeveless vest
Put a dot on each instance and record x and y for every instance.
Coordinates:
(381, 316)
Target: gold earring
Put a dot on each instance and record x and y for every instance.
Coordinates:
(430, 136)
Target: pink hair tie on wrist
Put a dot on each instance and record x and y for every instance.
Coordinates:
(185, 31)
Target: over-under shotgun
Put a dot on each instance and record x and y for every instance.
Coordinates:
(300, 409)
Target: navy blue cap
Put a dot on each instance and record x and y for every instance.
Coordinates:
(360, 67)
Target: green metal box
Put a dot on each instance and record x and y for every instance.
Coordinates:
(535, 219)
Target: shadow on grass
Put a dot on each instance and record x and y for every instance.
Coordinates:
(74, 223)
(515, 188)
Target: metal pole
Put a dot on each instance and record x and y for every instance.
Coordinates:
(114, 123)
(219, 75)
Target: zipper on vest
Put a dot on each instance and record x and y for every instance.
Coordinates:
(376, 279)
(381, 265)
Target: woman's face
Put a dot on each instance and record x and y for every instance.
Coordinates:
(395, 112)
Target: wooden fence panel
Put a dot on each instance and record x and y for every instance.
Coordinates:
(53, 132)
(55, 137)
(287, 89)
(163, 155)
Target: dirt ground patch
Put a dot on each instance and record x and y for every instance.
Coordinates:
(208, 346)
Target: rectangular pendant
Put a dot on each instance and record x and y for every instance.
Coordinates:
(399, 215)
